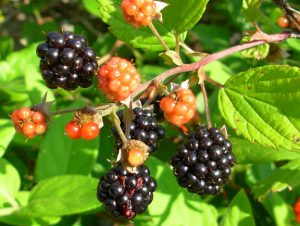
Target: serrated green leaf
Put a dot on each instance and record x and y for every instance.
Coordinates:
(251, 9)
(66, 195)
(247, 152)
(181, 18)
(239, 212)
(7, 132)
(61, 155)
(170, 199)
(259, 52)
(262, 105)
(110, 12)
(9, 183)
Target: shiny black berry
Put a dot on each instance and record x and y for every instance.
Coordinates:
(143, 127)
(70, 60)
(124, 193)
(203, 164)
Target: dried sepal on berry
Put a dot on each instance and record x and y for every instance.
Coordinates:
(133, 154)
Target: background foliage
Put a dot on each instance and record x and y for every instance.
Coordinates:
(51, 180)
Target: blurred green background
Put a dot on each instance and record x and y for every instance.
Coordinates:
(23, 24)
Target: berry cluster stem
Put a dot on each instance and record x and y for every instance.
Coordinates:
(116, 122)
(204, 93)
(159, 38)
(66, 111)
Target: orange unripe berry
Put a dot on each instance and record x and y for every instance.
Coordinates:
(135, 157)
(29, 129)
(38, 117)
(24, 113)
(40, 128)
(283, 22)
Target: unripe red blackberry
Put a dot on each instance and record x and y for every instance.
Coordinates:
(139, 12)
(124, 193)
(66, 61)
(144, 127)
(203, 164)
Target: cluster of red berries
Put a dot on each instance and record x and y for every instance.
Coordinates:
(139, 12)
(29, 122)
(179, 108)
(118, 78)
(297, 210)
(83, 125)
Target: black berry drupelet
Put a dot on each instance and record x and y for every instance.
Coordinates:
(159, 114)
(144, 127)
(203, 164)
(66, 61)
(124, 193)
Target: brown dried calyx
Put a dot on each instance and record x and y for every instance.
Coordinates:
(87, 115)
(133, 154)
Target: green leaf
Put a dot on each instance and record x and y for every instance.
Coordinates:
(251, 9)
(262, 105)
(181, 17)
(91, 6)
(66, 195)
(247, 152)
(9, 183)
(7, 132)
(239, 212)
(6, 46)
(19, 218)
(259, 52)
(279, 209)
(279, 180)
(110, 12)
(170, 200)
(61, 155)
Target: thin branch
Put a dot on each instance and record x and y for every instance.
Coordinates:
(107, 56)
(213, 82)
(159, 38)
(64, 111)
(177, 43)
(214, 57)
(116, 121)
(204, 93)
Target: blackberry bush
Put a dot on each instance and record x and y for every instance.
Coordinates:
(203, 164)
(66, 61)
(144, 127)
(124, 193)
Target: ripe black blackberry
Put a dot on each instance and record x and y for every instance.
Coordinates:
(203, 164)
(159, 114)
(124, 193)
(66, 61)
(144, 127)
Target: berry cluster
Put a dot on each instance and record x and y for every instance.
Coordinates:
(297, 210)
(203, 164)
(124, 193)
(139, 12)
(180, 107)
(83, 125)
(118, 78)
(66, 61)
(29, 122)
(144, 128)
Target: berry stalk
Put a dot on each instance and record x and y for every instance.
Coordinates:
(116, 121)
(204, 93)
(159, 38)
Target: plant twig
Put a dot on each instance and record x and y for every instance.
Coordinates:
(214, 57)
(177, 43)
(202, 77)
(116, 121)
(107, 56)
(61, 112)
(213, 82)
(159, 38)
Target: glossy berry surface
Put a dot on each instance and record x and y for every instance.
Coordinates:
(29, 122)
(283, 22)
(144, 128)
(203, 164)
(139, 13)
(118, 78)
(124, 193)
(297, 210)
(181, 109)
(66, 61)
(159, 114)
(87, 131)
